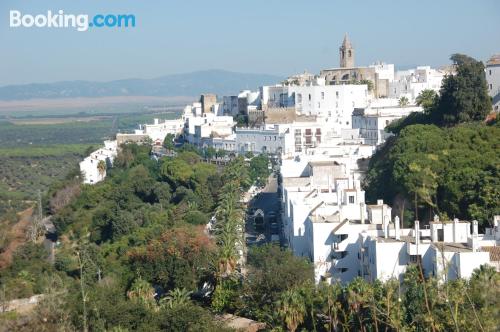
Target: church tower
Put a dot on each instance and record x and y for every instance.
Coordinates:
(346, 53)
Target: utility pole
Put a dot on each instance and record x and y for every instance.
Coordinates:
(82, 289)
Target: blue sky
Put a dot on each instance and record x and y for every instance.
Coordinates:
(264, 36)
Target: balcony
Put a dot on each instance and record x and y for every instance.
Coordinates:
(337, 255)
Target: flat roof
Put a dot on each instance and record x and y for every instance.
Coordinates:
(451, 246)
(324, 163)
(296, 181)
(448, 222)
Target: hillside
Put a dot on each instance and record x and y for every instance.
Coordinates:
(189, 84)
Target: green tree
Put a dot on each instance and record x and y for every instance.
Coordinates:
(176, 297)
(259, 171)
(292, 308)
(271, 271)
(142, 292)
(177, 171)
(168, 142)
(210, 152)
(464, 95)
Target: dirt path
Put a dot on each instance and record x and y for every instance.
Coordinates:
(17, 233)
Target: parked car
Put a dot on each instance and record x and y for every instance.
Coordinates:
(275, 228)
(251, 239)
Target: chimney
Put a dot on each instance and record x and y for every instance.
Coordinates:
(362, 212)
(396, 228)
(474, 236)
(156, 121)
(417, 232)
(380, 202)
(455, 230)
(474, 228)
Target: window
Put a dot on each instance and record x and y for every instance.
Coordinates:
(336, 94)
(491, 86)
(299, 98)
(351, 199)
(440, 235)
(309, 97)
(416, 259)
(323, 93)
(490, 72)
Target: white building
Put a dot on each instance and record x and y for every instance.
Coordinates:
(89, 166)
(200, 128)
(493, 80)
(371, 121)
(159, 130)
(317, 182)
(384, 71)
(409, 83)
(346, 239)
(335, 102)
(267, 139)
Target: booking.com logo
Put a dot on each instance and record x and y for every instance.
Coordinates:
(81, 22)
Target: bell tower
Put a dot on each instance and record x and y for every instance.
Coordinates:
(346, 53)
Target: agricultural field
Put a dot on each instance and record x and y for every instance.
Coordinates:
(38, 148)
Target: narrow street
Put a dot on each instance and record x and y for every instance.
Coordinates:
(267, 201)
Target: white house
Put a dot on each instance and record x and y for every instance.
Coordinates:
(200, 127)
(371, 121)
(409, 83)
(92, 174)
(344, 249)
(335, 102)
(159, 130)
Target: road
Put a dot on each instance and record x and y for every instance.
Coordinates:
(267, 201)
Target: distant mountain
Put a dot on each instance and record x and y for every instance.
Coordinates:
(220, 82)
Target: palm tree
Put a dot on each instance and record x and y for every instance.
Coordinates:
(142, 292)
(176, 297)
(427, 98)
(292, 309)
(331, 307)
(228, 228)
(403, 101)
(358, 292)
(101, 168)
